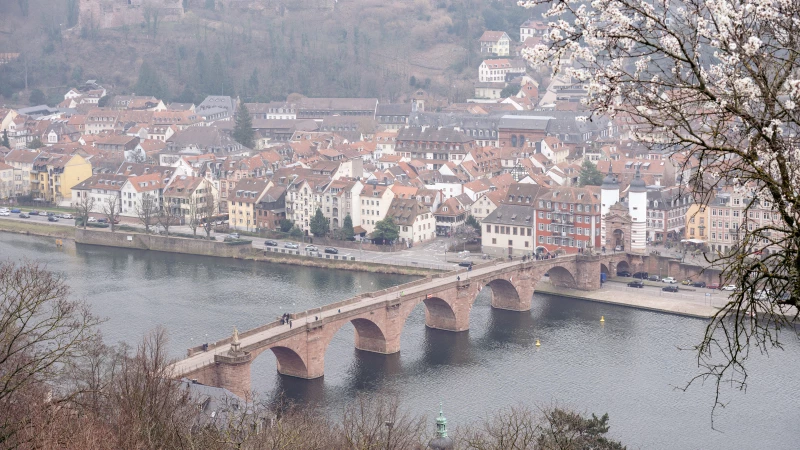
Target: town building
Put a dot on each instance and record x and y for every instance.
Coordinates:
(495, 43)
(375, 202)
(417, 223)
(666, 213)
(54, 175)
(500, 70)
(242, 202)
(508, 231)
(532, 28)
(7, 183)
(101, 190)
(22, 162)
(568, 220)
(136, 189)
(187, 196)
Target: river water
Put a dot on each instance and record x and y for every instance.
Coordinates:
(628, 366)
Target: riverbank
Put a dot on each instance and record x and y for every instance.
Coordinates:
(37, 229)
(244, 251)
(633, 299)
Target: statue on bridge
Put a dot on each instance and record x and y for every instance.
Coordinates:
(235, 342)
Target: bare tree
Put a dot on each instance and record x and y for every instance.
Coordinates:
(111, 209)
(717, 84)
(41, 330)
(147, 408)
(147, 210)
(83, 207)
(196, 208)
(167, 217)
(209, 210)
(370, 422)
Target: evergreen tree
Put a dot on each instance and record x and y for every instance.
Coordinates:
(347, 230)
(149, 82)
(7, 144)
(286, 225)
(296, 232)
(386, 230)
(243, 130)
(37, 97)
(253, 84)
(319, 224)
(589, 175)
(473, 222)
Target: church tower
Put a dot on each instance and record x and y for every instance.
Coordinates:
(609, 196)
(637, 208)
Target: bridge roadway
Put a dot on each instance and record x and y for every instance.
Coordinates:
(378, 317)
(206, 358)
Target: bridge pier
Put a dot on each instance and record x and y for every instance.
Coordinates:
(233, 373)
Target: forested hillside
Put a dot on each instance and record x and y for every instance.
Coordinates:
(368, 48)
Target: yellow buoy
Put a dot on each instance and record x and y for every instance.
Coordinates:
(602, 319)
(538, 343)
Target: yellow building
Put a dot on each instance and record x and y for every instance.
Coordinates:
(697, 222)
(53, 176)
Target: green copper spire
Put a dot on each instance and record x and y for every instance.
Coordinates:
(441, 424)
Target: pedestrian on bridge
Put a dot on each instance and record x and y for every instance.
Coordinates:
(290, 324)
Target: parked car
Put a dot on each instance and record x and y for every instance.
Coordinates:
(311, 248)
(687, 282)
(270, 243)
(100, 220)
(618, 248)
(291, 245)
(115, 221)
(641, 275)
(52, 219)
(623, 273)
(762, 294)
(233, 236)
(5, 212)
(636, 284)
(654, 278)
(24, 216)
(713, 286)
(91, 220)
(670, 288)
(67, 216)
(331, 250)
(669, 280)
(729, 287)
(15, 211)
(50, 213)
(469, 264)
(34, 213)
(699, 284)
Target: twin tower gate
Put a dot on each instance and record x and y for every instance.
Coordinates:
(379, 317)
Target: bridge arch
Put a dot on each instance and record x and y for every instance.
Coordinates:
(622, 266)
(290, 362)
(604, 269)
(562, 277)
(440, 315)
(504, 294)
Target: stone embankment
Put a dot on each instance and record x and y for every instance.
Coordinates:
(635, 299)
(202, 247)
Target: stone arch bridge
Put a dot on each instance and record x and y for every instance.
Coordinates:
(378, 317)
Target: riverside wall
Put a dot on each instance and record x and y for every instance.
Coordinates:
(202, 247)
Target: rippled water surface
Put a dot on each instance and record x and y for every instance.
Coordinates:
(628, 366)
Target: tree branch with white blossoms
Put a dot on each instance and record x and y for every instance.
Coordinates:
(717, 83)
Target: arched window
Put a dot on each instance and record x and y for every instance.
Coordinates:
(513, 140)
(522, 141)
